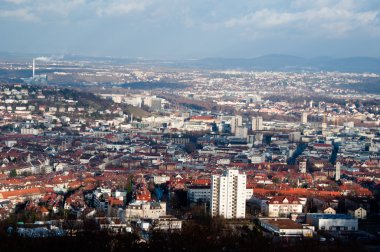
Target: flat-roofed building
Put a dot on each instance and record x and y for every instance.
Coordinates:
(199, 193)
(228, 195)
(286, 227)
(332, 222)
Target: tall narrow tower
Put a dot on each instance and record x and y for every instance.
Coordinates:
(304, 117)
(236, 121)
(257, 123)
(337, 171)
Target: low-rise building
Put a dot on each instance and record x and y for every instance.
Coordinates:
(199, 193)
(332, 222)
(283, 206)
(286, 227)
(145, 210)
(359, 213)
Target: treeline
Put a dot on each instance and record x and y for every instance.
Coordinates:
(202, 235)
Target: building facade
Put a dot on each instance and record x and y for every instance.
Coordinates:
(229, 195)
(281, 206)
(257, 123)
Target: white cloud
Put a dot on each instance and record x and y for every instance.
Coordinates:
(121, 8)
(17, 1)
(60, 7)
(332, 21)
(20, 14)
(33, 10)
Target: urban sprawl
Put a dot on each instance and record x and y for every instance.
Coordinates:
(293, 155)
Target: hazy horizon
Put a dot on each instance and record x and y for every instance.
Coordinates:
(185, 29)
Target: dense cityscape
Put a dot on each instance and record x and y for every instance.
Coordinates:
(139, 156)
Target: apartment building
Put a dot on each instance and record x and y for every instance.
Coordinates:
(228, 194)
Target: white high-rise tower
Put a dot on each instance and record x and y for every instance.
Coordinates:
(229, 194)
(257, 123)
(304, 117)
(236, 121)
(337, 171)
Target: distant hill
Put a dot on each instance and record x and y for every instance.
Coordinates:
(271, 62)
(292, 63)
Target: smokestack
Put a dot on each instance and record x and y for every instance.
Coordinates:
(34, 66)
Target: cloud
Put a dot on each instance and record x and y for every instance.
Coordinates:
(121, 8)
(331, 21)
(20, 14)
(60, 7)
(39, 10)
(17, 1)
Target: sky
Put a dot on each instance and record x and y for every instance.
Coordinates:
(189, 29)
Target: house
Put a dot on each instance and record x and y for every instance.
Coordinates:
(145, 210)
(283, 206)
(329, 210)
(359, 213)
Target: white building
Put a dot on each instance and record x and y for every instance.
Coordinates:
(145, 210)
(229, 195)
(337, 171)
(160, 179)
(359, 213)
(236, 121)
(257, 123)
(283, 206)
(329, 210)
(332, 222)
(304, 118)
(241, 131)
(302, 166)
(29, 131)
(286, 227)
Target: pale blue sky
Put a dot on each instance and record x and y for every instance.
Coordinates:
(191, 28)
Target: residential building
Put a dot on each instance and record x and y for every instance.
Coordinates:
(257, 123)
(228, 194)
(199, 193)
(146, 210)
(359, 213)
(283, 206)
